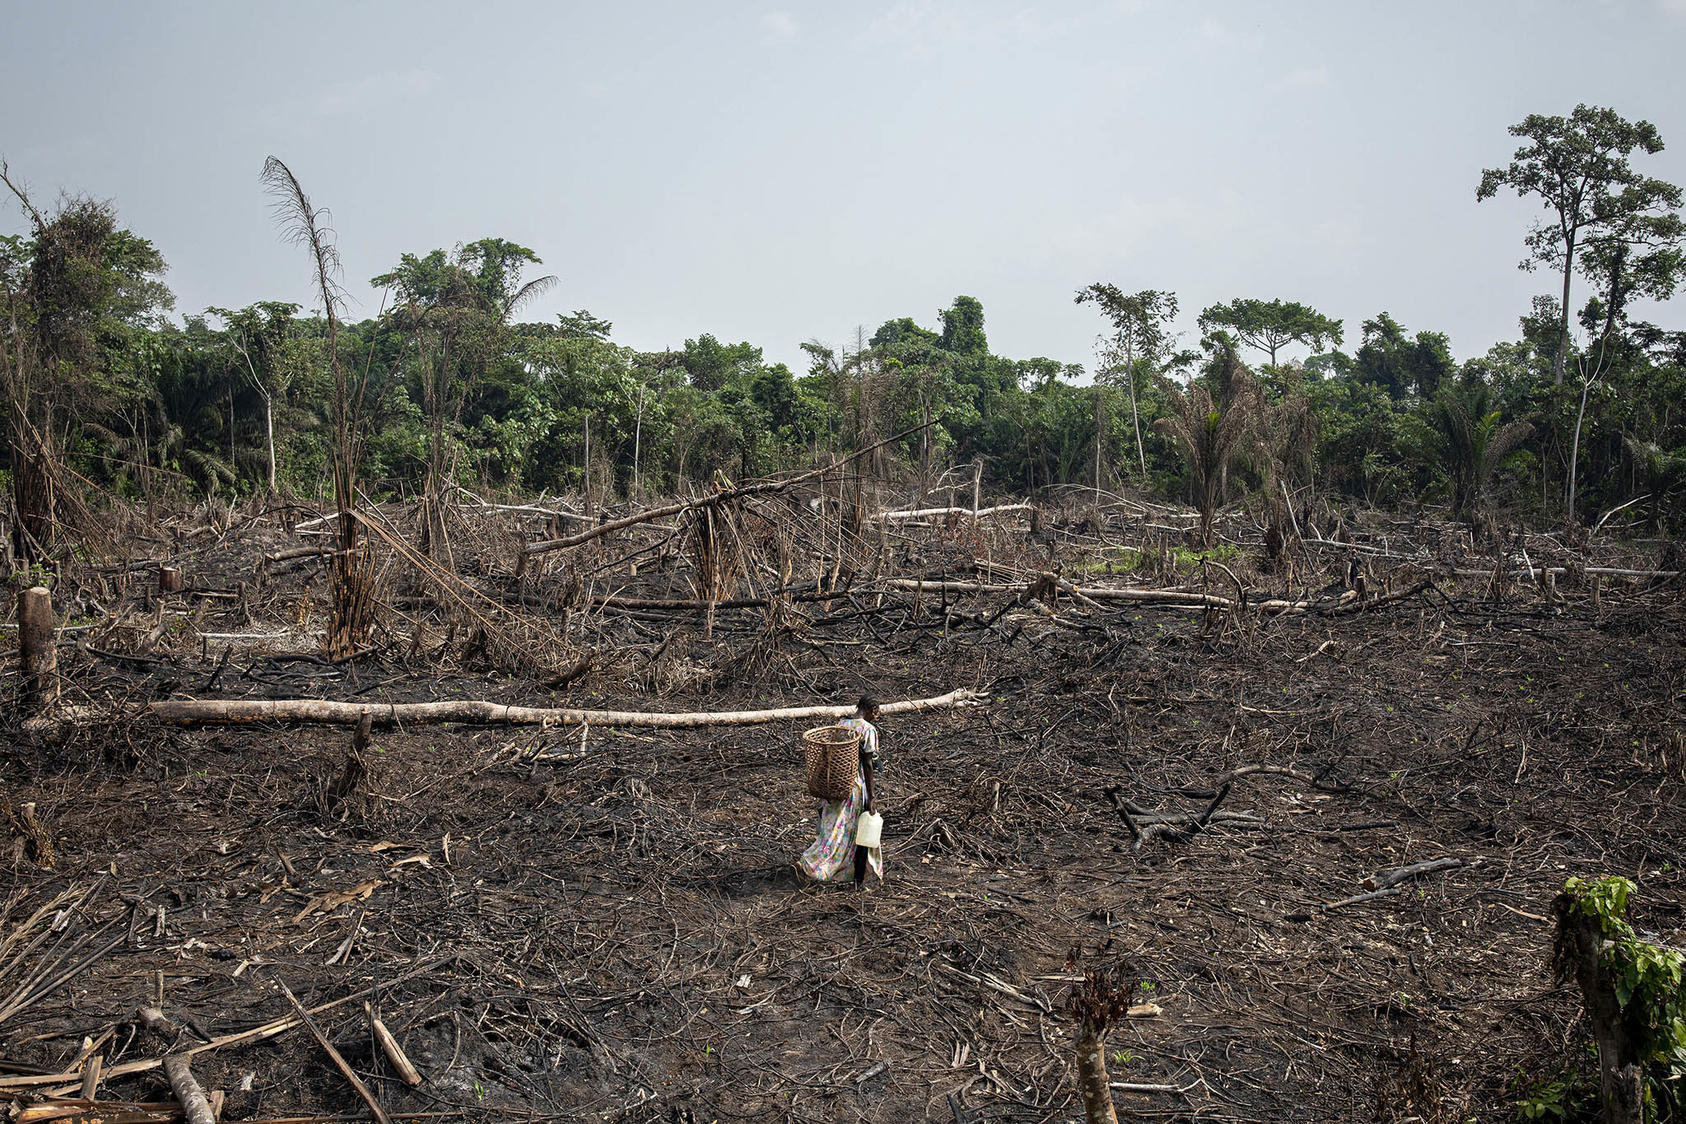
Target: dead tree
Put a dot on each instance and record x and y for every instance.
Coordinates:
(352, 592)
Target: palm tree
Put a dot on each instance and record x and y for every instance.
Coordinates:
(1662, 469)
(1211, 433)
(1467, 440)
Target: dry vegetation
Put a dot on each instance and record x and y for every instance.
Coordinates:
(597, 922)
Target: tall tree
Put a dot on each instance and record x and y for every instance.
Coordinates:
(1140, 339)
(259, 337)
(963, 328)
(712, 364)
(1579, 168)
(1269, 326)
(1400, 362)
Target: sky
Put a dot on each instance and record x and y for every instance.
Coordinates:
(784, 173)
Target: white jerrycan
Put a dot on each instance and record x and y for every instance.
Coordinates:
(869, 829)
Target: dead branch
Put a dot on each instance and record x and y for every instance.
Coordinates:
(346, 1071)
(256, 1034)
(1388, 883)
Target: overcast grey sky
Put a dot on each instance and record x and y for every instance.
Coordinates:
(784, 171)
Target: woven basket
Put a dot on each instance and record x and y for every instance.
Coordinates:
(833, 756)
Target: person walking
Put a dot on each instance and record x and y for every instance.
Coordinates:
(834, 845)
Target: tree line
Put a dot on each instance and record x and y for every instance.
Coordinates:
(1580, 414)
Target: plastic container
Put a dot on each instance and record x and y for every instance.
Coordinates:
(869, 829)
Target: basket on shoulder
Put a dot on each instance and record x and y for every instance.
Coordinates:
(832, 756)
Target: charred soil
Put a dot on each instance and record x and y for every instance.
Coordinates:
(605, 923)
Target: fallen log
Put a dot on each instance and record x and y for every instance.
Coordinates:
(188, 1091)
(927, 512)
(324, 712)
(1347, 602)
(293, 553)
(1387, 878)
(1093, 593)
(80, 1110)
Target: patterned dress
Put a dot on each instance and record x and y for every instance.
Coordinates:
(833, 852)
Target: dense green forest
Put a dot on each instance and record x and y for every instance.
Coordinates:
(1584, 411)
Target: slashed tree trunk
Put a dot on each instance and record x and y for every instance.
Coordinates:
(1092, 1079)
(188, 1091)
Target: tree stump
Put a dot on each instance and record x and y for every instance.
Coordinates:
(37, 649)
(169, 579)
(1100, 1001)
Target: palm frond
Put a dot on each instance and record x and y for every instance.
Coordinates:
(535, 288)
(305, 225)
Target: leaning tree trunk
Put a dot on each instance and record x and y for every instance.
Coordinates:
(1561, 361)
(1099, 422)
(1575, 452)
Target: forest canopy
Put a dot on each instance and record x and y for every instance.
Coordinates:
(1580, 414)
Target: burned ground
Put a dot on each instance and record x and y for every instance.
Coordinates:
(606, 923)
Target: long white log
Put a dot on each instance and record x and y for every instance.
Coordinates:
(927, 512)
(188, 712)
